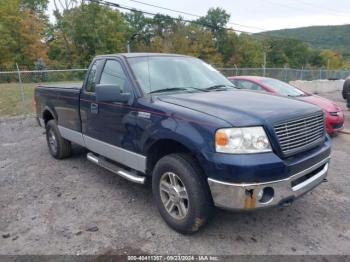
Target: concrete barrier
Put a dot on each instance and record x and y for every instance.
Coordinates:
(319, 86)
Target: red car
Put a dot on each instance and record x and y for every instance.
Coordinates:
(334, 114)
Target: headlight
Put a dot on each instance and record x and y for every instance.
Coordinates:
(245, 140)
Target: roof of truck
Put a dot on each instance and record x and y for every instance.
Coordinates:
(130, 55)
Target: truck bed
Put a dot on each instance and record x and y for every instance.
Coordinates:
(64, 100)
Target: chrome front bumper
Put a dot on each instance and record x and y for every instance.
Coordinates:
(267, 194)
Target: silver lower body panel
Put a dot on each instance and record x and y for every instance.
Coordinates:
(261, 195)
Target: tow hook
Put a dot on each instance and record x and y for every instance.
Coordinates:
(325, 180)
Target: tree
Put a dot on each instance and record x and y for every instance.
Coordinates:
(84, 29)
(287, 52)
(38, 6)
(229, 47)
(331, 59)
(215, 20)
(8, 24)
(88, 30)
(31, 45)
(162, 24)
(250, 52)
(21, 30)
(65, 7)
(138, 28)
(346, 64)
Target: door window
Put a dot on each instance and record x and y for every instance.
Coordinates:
(92, 78)
(113, 74)
(244, 84)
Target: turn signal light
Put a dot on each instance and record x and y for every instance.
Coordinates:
(221, 139)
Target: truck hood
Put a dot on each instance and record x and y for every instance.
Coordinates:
(242, 107)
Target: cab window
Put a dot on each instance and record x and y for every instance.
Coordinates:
(92, 78)
(113, 74)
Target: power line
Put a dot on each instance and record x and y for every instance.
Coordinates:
(165, 8)
(194, 15)
(116, 5)
(111, 4)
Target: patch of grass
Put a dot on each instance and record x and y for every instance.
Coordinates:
(11, 99)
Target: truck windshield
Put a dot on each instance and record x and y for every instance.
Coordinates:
(159, 74)
(282, 88)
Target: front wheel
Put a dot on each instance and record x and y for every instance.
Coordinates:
(181, 193)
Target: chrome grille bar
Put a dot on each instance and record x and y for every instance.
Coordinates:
(300, 134)
(302, 129)
(309, 122)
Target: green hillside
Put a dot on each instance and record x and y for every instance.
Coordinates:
(321, 37)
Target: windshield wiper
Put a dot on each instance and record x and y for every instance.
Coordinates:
(178, 89)
(218, 88)
(301, 95)
(169, 90)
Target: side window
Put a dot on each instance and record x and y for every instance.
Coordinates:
(244, 84)
(91, 81)
(113, 74)
(234, 82)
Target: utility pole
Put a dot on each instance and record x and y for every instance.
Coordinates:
(22, 89)
(128, 47)
(132, 38)
(264, 64)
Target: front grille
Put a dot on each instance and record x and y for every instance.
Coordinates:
(300, 134)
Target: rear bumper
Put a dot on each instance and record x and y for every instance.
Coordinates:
(267, 194)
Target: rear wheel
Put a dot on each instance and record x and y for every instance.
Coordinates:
(58, 146)
(181, 193)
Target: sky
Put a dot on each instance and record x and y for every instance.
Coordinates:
(255, 15)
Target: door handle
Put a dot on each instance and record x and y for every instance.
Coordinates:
(94, 108)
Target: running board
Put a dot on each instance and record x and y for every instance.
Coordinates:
(115, 169)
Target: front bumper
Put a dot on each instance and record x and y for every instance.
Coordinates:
(334, 123)
(266, 194)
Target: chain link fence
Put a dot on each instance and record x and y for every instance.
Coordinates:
(17, 87)
(287, 74)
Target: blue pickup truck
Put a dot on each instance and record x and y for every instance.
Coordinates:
(176, 121)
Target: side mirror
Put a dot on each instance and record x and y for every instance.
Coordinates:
(111, 93)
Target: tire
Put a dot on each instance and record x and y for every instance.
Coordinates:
(186, 216)
(58, 146)
(346, 88)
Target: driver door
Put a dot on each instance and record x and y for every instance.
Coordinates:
(108, 124)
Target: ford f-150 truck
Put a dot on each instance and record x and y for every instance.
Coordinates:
(176, 121)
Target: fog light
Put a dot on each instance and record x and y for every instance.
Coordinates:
(260, 194)
(266, 195)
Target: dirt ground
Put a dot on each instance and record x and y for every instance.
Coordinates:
(74, 207)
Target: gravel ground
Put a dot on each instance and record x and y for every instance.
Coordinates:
(73, 207)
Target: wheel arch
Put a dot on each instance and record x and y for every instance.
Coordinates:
(48, 115)
(166, 146)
